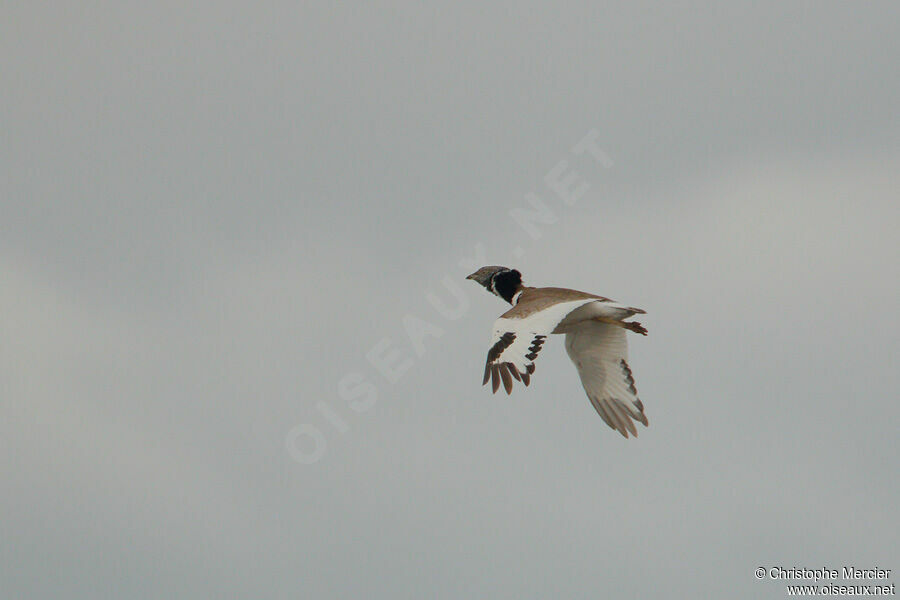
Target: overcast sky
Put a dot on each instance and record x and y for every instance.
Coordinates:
(238, 357)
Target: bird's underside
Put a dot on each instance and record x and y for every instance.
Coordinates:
(595, 330)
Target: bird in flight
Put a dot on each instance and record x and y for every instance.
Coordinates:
(595, 341)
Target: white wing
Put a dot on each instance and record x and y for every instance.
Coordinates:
(516, 342)
(600, 352)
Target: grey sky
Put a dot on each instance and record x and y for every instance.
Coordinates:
(211, 213)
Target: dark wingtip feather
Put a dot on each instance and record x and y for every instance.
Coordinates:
(636, 327)
(506, 377)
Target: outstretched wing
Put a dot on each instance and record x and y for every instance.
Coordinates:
(600, 352)
(517, 340)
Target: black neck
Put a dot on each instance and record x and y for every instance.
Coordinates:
(506, 283)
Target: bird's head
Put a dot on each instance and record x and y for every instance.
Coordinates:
(500, 281)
